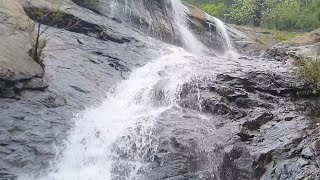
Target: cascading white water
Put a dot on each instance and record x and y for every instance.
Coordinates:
(117, 9)
(124, 9)
(149, 91)
(88, 152)
(223, 34)
(223, 31)
(188, 38)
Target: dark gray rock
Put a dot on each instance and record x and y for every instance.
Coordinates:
(245, 136)
(259, 121)
(7, 92)
(39, 120)
(36, 84)
(237, 164)
(307, 153)
(316, 147)
(4, 137)
(54, 101)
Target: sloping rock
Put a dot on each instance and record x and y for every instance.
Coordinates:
(77, 76)
(15, 63)
(201, 139)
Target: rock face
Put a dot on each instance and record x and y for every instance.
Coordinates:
(244, 121)
(80, 68)
(154, 18)
(234, 124)
(16, 66)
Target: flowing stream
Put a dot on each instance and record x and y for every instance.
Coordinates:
(94, 149)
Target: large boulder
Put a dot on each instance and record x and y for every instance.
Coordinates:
(15, 63)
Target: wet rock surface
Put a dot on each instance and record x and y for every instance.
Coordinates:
(80, 69)
(241, 122)
(267, 139)
(17, 68)
(157, 19)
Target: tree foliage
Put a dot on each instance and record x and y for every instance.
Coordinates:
(295, 15)
(217, 10)
(242, 12)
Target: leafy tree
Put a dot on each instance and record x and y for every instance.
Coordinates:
(242, 12)
(294, 15)
(259, 8)
(217, 10)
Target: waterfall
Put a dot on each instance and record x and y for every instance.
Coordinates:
(135, 12)
(191, 43)
(222, 33)
(92, 151)
(136, 102)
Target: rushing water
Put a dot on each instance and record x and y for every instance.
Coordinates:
(88, 153)
(93, 149)
(189, 40)
(223, 35)
(134, 12)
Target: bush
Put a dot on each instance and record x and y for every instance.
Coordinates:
(217, 10)
(242, 12)
(293, 15)
(288, 15)
(309, 70)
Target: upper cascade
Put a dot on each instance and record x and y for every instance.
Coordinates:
(189, 40)
(174, 22)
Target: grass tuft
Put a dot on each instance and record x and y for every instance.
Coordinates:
(309, 71)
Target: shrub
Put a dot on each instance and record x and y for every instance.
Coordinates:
(217, 10)
(293, 15)
(242, 12)
(288, 15)
(309, 70)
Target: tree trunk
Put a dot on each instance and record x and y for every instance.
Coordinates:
(258, 13)
(35, 55)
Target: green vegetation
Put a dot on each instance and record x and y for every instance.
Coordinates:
(280, 36)
(217, 10)
(289, 15)
(309, 70)
(45, 18)
(36, 33)
(293, 15)
(274, 37)
(90, 4)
